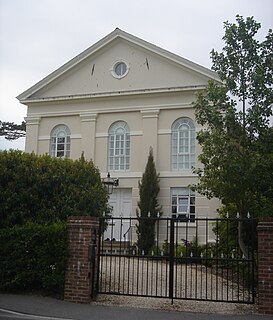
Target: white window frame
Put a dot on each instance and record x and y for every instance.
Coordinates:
(183, 144)
(60, 142)
(186, 211)
(119, 147)
(114, 69)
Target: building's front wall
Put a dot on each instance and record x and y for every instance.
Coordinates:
(87, 99)
(149, 117)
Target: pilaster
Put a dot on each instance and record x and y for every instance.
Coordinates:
(88, 124)
(150, 130)
(32, 133)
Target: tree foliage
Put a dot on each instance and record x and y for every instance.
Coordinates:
(148, 205)
(237, 139)
(246, 65)
(12, 131)
(42, 189)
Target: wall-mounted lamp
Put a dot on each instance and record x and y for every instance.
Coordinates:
(110, 183)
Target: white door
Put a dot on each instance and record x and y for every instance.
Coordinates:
(121, 202)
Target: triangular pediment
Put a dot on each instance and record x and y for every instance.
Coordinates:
(148, 67)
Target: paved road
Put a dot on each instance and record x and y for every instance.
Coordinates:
(14, 307)
(12, 315)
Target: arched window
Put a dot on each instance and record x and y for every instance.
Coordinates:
(60, 141)
(119, 147)
(183, 144)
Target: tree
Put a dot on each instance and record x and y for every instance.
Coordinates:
(12, 131)
(42, 189)
(237, 150)
(148, 206)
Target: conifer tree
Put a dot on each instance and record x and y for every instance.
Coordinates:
(12, 131)
(148, 206)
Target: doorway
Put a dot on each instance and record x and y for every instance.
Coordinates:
(121, 202)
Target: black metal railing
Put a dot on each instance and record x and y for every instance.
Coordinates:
(200, 260)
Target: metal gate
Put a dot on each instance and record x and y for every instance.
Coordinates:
(197, 259)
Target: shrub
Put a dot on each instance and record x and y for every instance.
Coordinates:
(44, 189)
(33, 256)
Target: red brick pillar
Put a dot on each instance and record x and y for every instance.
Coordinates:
(265, 266)
(80, 277)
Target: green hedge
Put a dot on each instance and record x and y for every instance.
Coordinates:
(33, 257)
(42, 189)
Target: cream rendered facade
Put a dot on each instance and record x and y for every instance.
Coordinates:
(84, 95)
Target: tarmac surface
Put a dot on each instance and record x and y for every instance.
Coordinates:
(31, 307)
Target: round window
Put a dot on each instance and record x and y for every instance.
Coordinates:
(120, 69)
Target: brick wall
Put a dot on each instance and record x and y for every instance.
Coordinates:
(82, 232)
(265, 267)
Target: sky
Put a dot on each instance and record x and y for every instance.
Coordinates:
(38, 36)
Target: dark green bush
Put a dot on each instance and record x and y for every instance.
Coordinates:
(33, 256)
(44, 189)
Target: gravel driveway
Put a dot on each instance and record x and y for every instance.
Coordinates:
(123, 276)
